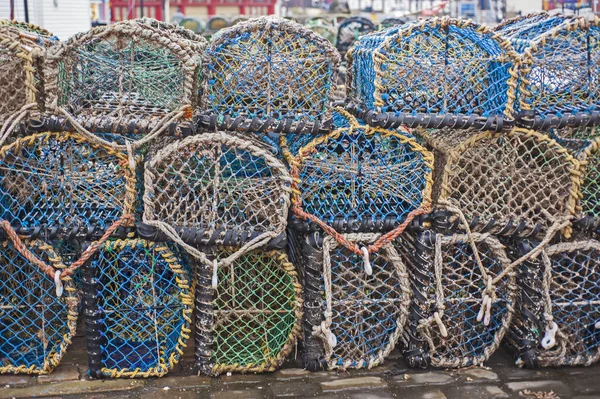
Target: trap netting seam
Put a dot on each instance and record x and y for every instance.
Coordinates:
(417, 206)
(363, 346)
(269, 74)
(523, 166)
(457, 90)
(589, 195)
(250, 322)
(125, 315)
(55, 315)
(554, 286)
(156, 85)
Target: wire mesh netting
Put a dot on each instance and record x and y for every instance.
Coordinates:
(458, 317)
(559, 64)
(269, 74)
(138, 71)
(520, 182)
(359, 178)
(251, 321)
(226, 189)
(36, 326)
(559, 326)
(350, 30)
(139, 299)
(63, 181)
(361, 313)
(442, 72)
(589, 158)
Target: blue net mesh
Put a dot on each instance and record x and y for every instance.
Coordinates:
(35, 325)
(271, 71)
(361, 176)
(437, 67)
(60, 180)
(559, 65)
(144, 299)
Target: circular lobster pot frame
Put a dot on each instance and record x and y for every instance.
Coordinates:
(137, 73)
(269, 74)
(36, 326)
(560, 291)
(138, 297)
(389, 22)
(323, 28)
(448, 326)
(441, 72)
(350, 30)
(21, 74)
(359, 178)
(250, 322)
(63, 185)
(589, 158)
(559, 64)
(519, 183)
(217, 189)
(352, 319)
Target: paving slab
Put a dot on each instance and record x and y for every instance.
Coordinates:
(64, 372)
(71, 388)
(347, 384)
(557, 387)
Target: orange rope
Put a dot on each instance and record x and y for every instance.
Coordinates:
(24, 251)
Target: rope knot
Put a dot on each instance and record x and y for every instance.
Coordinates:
(215, 279)
(489, 296)
(437, 317)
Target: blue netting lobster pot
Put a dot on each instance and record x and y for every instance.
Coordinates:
(358, 178)
(63, 185)
(248, 311)
(436, 72)
(269, 74)
(135, 75)
(36, 325)
(559, 64)
(463, 298)
(138, 299)
(349, 30)
(557, 321)
(354, 310)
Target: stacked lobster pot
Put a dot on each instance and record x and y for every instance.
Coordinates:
(356, 189)
(455, 83)
(224, 195)
(38, 302)
(557, 320)
(111, 92)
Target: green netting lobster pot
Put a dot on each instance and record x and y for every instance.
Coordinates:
(132, 76)
(354, 312)
(519, 183)
(461, 308)
(217, 189)
(21, 76)
(358, 178)
(138, 299)
(439, 72)
(269, 74)
(36, 325)
(63, 185)
(322, 27)
(557, 323)
(349, 30)
(248, 315)
(559, 64)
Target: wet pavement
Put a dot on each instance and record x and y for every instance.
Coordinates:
(498, 379)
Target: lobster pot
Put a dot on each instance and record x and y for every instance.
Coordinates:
(389, 22)
(21, 75)
(63, 185)
(269, 74)
(450, 323)
(557, 323)
(559, 64)
(36, 326)
(358, 178)
(353, 315)
(215, 24)
(132, 73)
(586, 151)
(138, 300)
(217, 189)
(248, 313)
(440, 72)
(323, 28)
(350, 29)
(517, 183)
